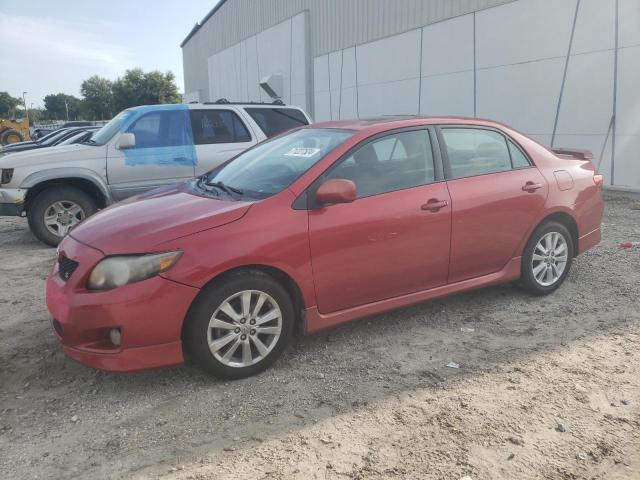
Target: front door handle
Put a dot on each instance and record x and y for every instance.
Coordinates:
(434, 205)
(531, 187)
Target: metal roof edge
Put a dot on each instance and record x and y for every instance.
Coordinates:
(199, 24)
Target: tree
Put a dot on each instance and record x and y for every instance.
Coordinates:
(8, 105)
(98, 97)
(139, 88)
(56, 106)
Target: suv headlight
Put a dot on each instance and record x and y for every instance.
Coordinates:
(6, 174)
(114, 272)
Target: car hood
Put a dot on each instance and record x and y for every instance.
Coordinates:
(50, 155)
(140, 223)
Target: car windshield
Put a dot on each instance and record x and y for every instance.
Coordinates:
(273, 165)
(107, 132)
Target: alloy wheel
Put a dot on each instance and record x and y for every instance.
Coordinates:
(245, 328)
(60, 217)
(549, 258)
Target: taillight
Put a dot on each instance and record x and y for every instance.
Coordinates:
(598, 180)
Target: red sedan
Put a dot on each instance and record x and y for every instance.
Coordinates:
(317, 227)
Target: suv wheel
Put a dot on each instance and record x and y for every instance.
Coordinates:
(240, 326)
(55, 211)
(547, 258)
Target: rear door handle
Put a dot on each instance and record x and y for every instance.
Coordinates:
(434, 205)
(531, 187)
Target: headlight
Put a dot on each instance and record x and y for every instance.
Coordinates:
(6, 174)
(114, 272)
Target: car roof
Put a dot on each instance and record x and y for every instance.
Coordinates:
(399, 121)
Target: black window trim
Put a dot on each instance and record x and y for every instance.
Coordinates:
(237, 114)
(445, 154)
(306, 200)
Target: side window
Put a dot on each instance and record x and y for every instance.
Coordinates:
(273, 121)
(474, 152)
(165, 128)
(518, 159)
(394, 162)
(217, 126)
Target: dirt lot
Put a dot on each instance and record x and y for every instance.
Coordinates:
(547, 388)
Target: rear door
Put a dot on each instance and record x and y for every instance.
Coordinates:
(218, 135)
(163, 153)
(394, 238)
(496, 194)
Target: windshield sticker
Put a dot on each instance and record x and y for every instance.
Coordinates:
(302, 152)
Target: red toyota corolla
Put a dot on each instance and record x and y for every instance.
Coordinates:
(316, 227)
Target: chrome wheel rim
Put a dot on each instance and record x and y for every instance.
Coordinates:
(244, 329)
(549, 258)
(60, 217)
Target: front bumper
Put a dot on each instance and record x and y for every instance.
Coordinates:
(149, 315)
(12, 201)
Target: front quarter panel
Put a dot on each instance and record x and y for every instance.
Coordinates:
(271, 234)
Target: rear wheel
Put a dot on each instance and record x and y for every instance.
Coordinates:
(56, 211)
(547, 258)
(241, 326)
(11, 136)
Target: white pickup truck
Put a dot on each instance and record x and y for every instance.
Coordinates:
(139, 149)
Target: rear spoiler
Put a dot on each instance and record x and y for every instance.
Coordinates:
(573, 153)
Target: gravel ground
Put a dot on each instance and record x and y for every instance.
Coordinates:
(547, 388)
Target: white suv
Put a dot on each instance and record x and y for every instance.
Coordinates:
(141, 148)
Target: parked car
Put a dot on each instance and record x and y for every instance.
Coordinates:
(316, 227)
(56, 138)
(80, 136)
(140, 149)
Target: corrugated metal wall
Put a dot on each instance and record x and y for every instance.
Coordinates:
(335, 24)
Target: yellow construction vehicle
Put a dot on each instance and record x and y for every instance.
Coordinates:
(12, 131)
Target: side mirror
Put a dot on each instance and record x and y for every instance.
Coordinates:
(337, 190)
(126, 141)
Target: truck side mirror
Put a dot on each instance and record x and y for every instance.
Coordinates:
(126, 141)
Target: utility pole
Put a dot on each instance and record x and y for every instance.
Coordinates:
(26, 111)
(66, 107)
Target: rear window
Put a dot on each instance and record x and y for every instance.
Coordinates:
(273, 121)
(217, 126)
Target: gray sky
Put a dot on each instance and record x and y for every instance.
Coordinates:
(52, 46)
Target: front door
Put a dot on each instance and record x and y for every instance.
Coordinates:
(394, 238)
(164, 151)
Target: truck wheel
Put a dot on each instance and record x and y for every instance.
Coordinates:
(11, 135)
(57, 210)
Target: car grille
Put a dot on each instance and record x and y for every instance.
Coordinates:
(66, 267)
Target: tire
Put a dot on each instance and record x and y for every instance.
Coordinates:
(243, 331)
(542, 274)
(53, 198)
(10, 136)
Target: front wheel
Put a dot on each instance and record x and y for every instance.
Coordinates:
(55, 211)
(240, 326)
(547, 258)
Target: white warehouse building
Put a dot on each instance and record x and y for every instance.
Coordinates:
(565, 72)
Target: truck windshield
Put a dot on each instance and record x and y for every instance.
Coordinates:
(107, 132)
(272, 166)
